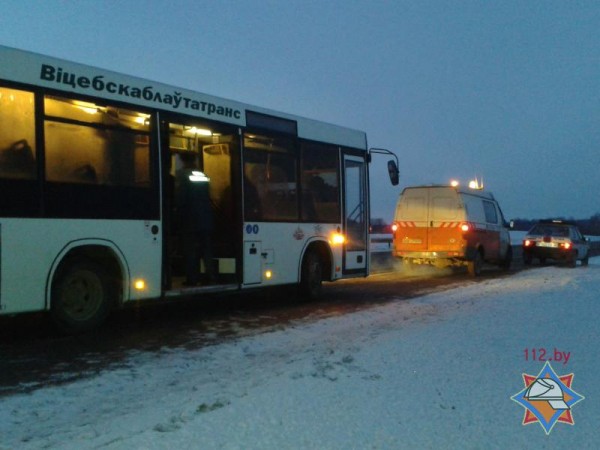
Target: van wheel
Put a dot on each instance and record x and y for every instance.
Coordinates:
(585, 261)
(474, 267)
(527, 259)
(572, 261)
(505, 264)
(81, 296)
(311, 279)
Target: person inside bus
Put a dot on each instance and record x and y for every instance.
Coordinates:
(17, 161)
(86, 174)
(192, 200)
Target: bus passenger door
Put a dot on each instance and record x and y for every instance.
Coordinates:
(355, 215)
(199, 151)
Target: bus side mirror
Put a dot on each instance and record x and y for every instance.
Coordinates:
(393, 172)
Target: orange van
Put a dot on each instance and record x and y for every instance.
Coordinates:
(450, 226)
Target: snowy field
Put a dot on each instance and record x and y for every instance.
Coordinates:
(433, 372)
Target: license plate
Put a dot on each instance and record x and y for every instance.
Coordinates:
(547, 244)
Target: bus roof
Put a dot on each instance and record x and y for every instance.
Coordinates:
(48, 72)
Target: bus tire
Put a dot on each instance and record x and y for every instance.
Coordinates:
(81, 296)
(474, 267)
(311, 280)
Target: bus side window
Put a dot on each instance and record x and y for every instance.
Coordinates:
(17, 134)
(320, 182)
(270, 166)
(94, 144)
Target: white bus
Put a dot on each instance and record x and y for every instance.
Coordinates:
(88, 214)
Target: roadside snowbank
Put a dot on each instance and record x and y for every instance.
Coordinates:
(432, 372)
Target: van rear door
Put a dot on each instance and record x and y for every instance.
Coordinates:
(445, 216)
(412, 220)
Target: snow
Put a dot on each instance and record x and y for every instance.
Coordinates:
(436, 371)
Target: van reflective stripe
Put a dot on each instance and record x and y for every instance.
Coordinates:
(407, 224)
(449, 224)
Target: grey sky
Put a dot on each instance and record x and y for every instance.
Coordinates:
(508, 90)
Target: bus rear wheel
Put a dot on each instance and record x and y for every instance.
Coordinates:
(81, 296)
(311, 280)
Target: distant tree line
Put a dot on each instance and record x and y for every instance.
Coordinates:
(589, 226)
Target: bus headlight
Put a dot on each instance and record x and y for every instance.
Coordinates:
(338, 239)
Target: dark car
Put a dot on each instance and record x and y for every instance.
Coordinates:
(558, 240)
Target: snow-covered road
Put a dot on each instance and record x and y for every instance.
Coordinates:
(431, 372)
